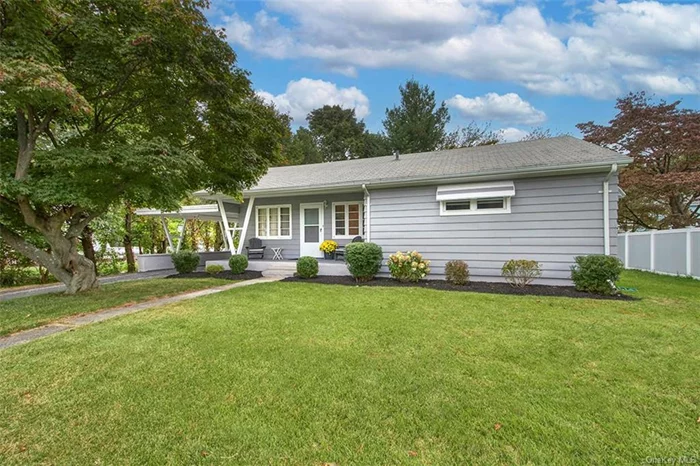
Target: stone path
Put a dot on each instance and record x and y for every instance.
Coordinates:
(72, 322)
(6, 295)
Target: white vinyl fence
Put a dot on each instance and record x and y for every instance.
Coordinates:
(673, 252)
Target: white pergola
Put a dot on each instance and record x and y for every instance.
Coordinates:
(207, 212)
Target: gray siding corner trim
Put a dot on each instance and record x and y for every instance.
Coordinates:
(552, 220)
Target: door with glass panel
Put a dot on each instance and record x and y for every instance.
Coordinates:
(311, 221)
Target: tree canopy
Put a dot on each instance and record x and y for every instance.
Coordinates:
(113, 101)
(662, 184)
(417, 124)
(338, 133)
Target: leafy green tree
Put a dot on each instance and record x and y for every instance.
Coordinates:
(117, 101)
(301, 149)
(418, 123)
(375, 145)
(337, 132)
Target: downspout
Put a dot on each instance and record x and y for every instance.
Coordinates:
(368, 222)
(606, 209)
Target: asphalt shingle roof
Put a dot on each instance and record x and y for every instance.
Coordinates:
(527, 155)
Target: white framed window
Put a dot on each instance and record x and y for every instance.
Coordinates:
(347, 220)
(476, 198)
(273, 222)
(488, 205)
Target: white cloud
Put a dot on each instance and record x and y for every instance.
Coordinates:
(512, 134)
(238, 31)
(305, 95)
(506, 108)
(473, 40)
(663, 83)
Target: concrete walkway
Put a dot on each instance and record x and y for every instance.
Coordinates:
(72, 322)
(6, 295)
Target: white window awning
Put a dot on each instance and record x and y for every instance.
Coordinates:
(460, 192)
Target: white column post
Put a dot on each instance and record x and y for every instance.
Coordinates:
(181, 238)
(626, 235)
(652, 250)
(688, 252)
(227, 228)
(244, 230)
(167, 232)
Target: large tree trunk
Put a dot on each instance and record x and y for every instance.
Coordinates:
(82, 270)
(128, 246)
(64, 262)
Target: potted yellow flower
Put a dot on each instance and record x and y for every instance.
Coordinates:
(328, 247)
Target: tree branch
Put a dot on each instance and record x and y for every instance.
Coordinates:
(35, 254)
(639, 220)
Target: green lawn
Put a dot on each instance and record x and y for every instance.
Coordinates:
(294, 373)
(23, 313)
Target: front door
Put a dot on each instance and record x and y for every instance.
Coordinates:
(311, 222)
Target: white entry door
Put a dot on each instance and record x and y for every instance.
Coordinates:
(311, 222)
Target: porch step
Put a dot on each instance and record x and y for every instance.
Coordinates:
(281, 269)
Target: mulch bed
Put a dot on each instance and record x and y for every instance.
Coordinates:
(476, 287)
(225, 275)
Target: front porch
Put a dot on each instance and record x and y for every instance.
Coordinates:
(288, 267)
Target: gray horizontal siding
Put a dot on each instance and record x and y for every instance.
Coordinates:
(552, 220)
(291, 246)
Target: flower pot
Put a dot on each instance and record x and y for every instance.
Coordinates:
(328, 255)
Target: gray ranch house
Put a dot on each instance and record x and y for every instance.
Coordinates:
(548, 200)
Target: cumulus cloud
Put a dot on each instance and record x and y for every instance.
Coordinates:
(506, 108)
(663, 83)
(302, 96)
(474, 40)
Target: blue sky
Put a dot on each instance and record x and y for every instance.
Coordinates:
(514, 64)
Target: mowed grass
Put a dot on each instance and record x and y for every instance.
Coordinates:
(293, 373)
(34, 311)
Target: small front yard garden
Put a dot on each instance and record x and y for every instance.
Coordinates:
(303, 373)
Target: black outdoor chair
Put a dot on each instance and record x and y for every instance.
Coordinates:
(255, 249)
(340, 250)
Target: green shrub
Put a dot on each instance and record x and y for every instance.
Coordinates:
(521, 272)
(213, 269)
(457, 272)
(307, 267)
(596, 273)
(408, 267)
(363, 260)
(185, 261)
(238, 263)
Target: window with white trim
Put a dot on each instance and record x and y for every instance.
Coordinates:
(492, 205)
(273, 222)
(477, 198)
(347, 220)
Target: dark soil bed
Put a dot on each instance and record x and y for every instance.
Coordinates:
(225, 275)
(476, 287)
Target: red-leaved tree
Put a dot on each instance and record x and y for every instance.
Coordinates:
(662, 184)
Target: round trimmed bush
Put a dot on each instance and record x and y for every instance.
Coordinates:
(185, 261)
(238, 263)
(307, 267)
(521, 272)
(457, 272)
(213, 269)
(596, 273)
(363, 260)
